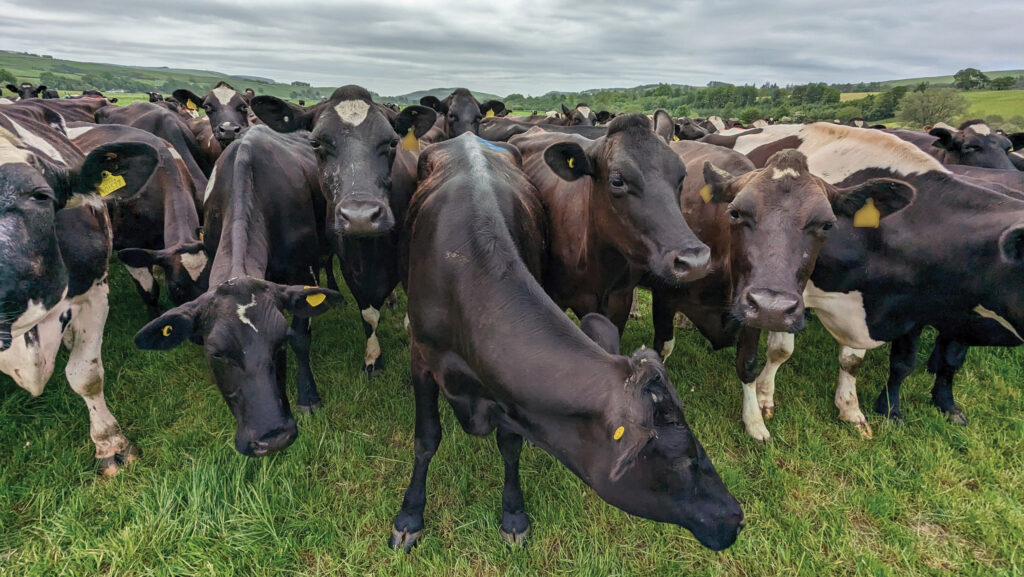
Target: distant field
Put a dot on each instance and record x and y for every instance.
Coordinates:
(846, 96)
(949, 79)
(1006, 103)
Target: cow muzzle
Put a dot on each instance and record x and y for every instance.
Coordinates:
(773, 310)
(270, 442)
(358, 217)
(226, 133)
(687, 265)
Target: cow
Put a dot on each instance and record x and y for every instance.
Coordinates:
(503, 129)
(876, 285)
(483, 332)
(209, 147)
(227, 110)
(686, 129)
(459, 112)
(154, 221)
(613, 214)
(27, 90)
(366, 163)
(261, 226)
(974, 143)
(155, 96)
(74, 110)
(765, 227)
(54, 253)
(581, 115)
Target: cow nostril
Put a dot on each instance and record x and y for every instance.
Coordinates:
(377, 214)
(237, 129)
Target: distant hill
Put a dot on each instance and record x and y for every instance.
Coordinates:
(948, 79)
(439, 93)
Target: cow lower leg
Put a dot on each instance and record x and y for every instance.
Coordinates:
(373, 363)
(84, 372)
(634, 308)
(301, 337)
(664, 330)
(515, 524)
(946, 360)
(408, 524)
(332, 281)
(780, 348)
(746, 363)
(902, 360)
(850, 360)
(147, 288)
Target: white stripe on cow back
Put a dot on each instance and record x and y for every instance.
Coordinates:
(11, 154)
(29, 138)
(835, 152)
(76, 131)
(223, 94)
(210, 185)
(352, 111)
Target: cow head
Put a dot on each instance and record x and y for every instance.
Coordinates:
(779, 217)
(155, 96)
(243, 330)
(687, 129)
(462, 112)
(26, 90)
(185, 266)
(355, 142)
(634, 197)
(974, 144)
(33, 277)
(582, 115)
(652, 465)
(227, 110)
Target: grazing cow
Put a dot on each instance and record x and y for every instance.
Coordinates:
(483, 332)
(227, 110)
(876, 285)
(26, 90)
(765, 228)
(54, 250)
(368, 180)
(459, 112)
(613, 214)
(974, 143)
(156, 224)
(261, 225)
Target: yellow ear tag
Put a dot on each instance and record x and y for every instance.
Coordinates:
(167, 330)
(200, 237)
(572, 162)
(705, 193)
(409, 141)
(868, 216)
(675, 138)
(190, 105)
(316, 299)
(490, 114)
(618, 433)
(110, 183)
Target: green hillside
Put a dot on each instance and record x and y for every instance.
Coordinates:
(947, 79)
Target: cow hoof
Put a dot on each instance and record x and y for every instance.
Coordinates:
(372, 371)
(865, 430)
(310, 409)
(514, 538)
(957, 417)
(767, 412)
(404, 539)
(759, 433)
(112, 465)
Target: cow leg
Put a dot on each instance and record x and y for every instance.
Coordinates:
(301, 337)
(619, 303)
(408, 524)
(902, 360)
(664, 329)
(373, 362)
(147, 288)
(780, 348)
(515, 524)
(946, 360)
(850, 360)
(332, 281)
(746, 365)
(84, 372)
(634, 308)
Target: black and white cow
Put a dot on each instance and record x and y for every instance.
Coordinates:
(227, 110)
(55, 243)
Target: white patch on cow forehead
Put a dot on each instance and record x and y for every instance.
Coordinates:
(779, 174)
(352, 111)
(982, 129)
(995, 316)
(36, 142)
(223, 95)
(10, 154)
(717, 122)
(243, 309)
(209, 185)
(835, 152)
(194, 264)
(75, 132)
(584, 110)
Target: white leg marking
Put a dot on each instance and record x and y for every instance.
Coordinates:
(142, 276)
(372, 318)
(846, 392)
(666, 349)
(752, 414)
(406, 323)
(780, 348)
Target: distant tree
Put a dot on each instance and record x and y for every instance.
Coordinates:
(300, 83)
(969, 79)
(6, 77)
(748, 115)
(1002, 83)
(931, 106)
(921, 87)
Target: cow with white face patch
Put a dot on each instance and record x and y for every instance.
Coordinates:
(974, 143)
(227, 110)
(366, 159)
(952, 260)
(54, 249)
(263, 223)
(581, 115)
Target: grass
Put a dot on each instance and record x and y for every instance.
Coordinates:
(922, 498)
(847, 96)
(1006, 103)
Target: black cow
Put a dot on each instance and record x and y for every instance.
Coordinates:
(227, 110)
(503, 129)
(508, 360)
(27, 90)
(368, 179)
(459, 112)
(54, 250)
(261, 225)
(974, 143)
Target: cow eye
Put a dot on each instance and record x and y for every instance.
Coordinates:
(41, 195)
(616, 182)
(315, 143)
(828, 225)
(393, 143)
(734, 215)
(242, 108)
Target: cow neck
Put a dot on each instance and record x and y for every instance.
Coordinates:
(243, 250)
(180, 218)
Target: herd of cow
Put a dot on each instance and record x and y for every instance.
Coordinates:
(494, 225)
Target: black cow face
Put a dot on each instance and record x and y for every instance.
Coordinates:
(25, 91)
(974, 145)
(635, 195)
(227, 110)
(462, 112)
(355, 145)
(242, 327)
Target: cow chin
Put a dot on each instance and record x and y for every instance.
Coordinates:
(260, 445)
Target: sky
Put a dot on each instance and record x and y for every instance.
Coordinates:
(528, 46)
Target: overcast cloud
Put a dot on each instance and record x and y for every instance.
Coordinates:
(528, 46)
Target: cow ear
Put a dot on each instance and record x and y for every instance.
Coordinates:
(872, 200)
(492, 108)
(185, 96)
(170, 329)
(121, 167)
(565, 111)
(717, 184)
(947, 140)
(601, 331)
(12, 88)
(281, 116)
(1011, 244)
(432, 102)
(39, 90)
(568, 160)
(1016, 140)
(630, 439)
(418, 119)
(138, 257)
(307, 301)
(663, 125)
(604, 116)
